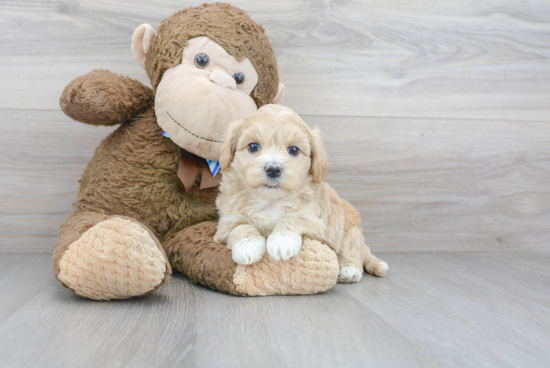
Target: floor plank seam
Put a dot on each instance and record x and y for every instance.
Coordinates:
(424, 118)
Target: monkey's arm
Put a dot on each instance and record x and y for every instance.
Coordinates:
(105, 98)
(194, 252)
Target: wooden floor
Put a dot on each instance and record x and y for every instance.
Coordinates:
(436, 117)
(432, 310)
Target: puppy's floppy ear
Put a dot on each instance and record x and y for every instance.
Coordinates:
(229, 146)
(319, 161)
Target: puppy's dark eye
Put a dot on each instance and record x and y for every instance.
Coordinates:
(202, 61)
(239, 78)
(253, 147)
(293, 150)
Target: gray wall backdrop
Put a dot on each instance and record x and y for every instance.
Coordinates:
(436, 113)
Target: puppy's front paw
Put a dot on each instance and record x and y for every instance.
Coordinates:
(350, 274)
(284, 245)
(248, 251)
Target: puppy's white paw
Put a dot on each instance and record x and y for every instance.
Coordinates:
(381, 269)
(284, 245)
(248, 251)
(350, 274)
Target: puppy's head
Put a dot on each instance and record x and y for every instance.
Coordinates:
(274, 152)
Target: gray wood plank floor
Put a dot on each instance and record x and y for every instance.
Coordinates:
(432, 310)
(436, 117)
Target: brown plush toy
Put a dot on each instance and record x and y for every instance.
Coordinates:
(146, 200)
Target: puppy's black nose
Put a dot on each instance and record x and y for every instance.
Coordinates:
(273, 170)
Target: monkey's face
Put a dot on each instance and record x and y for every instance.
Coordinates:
(197, 99)
(209, 65)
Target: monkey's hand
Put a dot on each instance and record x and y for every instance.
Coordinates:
(105, 98)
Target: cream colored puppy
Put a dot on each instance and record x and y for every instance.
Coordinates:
(272, 188)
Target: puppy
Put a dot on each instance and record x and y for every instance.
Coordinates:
(272, 188)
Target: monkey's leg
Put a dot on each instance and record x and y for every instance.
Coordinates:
(194, 252)
(108, 257)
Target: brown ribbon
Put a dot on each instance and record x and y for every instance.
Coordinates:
(189, 169)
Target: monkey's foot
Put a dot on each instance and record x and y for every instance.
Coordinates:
(116, 259)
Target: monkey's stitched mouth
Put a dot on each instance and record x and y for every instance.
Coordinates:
(190, 132)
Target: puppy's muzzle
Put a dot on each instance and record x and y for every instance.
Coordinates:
(273, 170)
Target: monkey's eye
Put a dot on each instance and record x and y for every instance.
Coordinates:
(293, 150)
(253, 147)
(202, 61)
(239, 77)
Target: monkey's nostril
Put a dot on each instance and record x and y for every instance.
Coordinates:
(222, 79)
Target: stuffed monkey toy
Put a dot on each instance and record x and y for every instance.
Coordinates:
(146, 203)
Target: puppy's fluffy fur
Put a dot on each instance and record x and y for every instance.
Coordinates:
(273, 191)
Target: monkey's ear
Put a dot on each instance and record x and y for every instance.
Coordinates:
(141, 40)
(229, 146)
(319, 161)
(280, 93)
